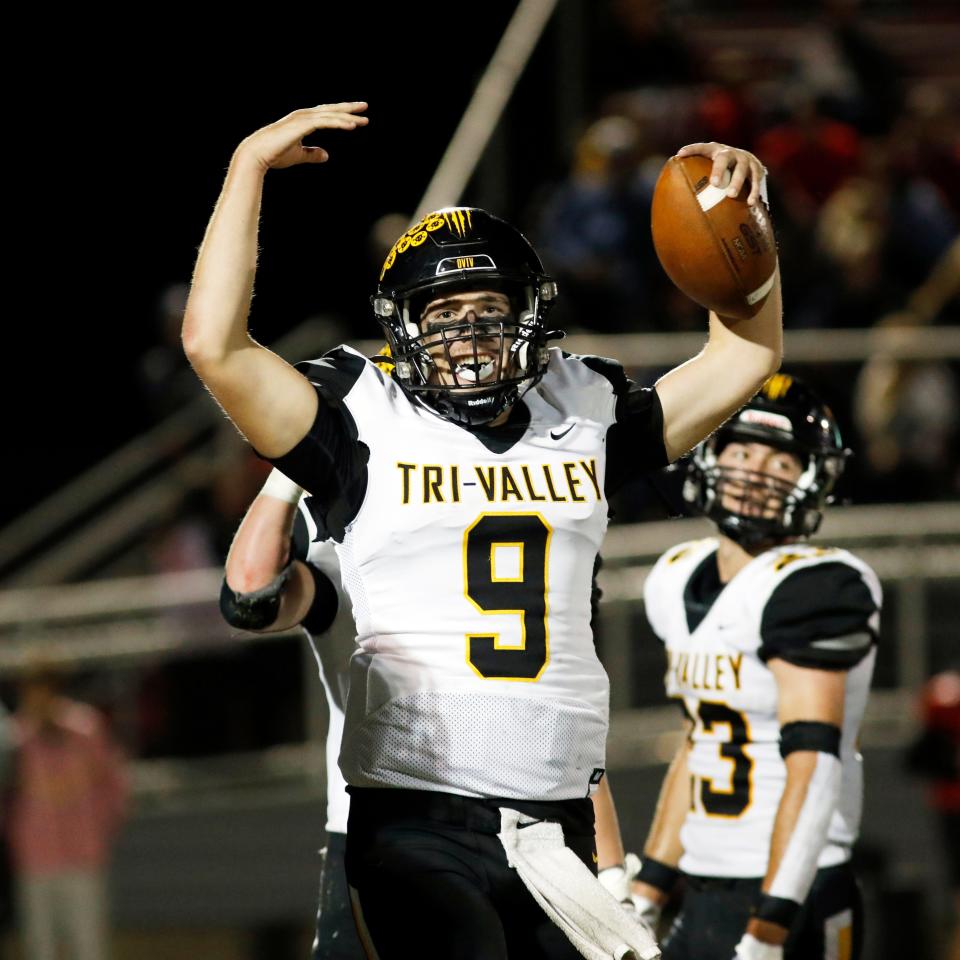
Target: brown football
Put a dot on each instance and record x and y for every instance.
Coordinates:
(718, 250)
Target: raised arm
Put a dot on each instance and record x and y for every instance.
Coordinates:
(739, 355)
(272, 405)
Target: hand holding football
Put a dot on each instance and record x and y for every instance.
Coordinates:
(719, 250)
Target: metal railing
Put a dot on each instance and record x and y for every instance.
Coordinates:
(144, 483)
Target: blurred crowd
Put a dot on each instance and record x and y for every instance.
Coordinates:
(860, 132)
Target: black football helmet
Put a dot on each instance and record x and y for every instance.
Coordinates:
(787, 415)
(454, 250)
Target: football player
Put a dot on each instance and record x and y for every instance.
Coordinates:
(466, 493)
(770, 646)
(278, 576)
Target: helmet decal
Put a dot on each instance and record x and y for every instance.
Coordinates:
(458, 220)
(777, 386)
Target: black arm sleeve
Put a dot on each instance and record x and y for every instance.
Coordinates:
(819, 617)
(635, 442)
(330, 461)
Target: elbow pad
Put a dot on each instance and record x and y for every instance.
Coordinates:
(791, 884)
(257, 609)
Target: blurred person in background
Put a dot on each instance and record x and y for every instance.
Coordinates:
(770, 643)
(281, 572)
(595, 231)
(66, 802)
(908, 410)
(811, 155)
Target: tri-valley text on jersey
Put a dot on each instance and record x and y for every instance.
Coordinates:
(693, 672)
(570, 481)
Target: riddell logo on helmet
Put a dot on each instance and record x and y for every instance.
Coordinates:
(764, 419)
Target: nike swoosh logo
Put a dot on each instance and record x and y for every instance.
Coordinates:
(529, 823)
(560, 436)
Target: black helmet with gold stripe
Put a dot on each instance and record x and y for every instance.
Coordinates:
(472, 364)
(786, 415)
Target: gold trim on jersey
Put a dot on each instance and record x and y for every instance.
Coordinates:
(810, 553)
(493, 562)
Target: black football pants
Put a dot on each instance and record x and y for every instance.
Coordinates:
(430, 877)
(716, 910)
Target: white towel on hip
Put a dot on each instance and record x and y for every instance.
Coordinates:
(574, 899)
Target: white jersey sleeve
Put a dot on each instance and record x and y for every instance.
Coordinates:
(332, 650)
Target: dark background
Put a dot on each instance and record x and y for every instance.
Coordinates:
(125, 153)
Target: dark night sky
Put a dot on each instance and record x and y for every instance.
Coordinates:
(129, 156)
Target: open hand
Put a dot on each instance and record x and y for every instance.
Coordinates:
(279, 144)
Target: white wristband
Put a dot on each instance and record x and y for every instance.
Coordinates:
(617, 879)
(280, 486)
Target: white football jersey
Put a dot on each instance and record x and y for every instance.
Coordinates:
(332, 651)
(809, 605)
(468, 557)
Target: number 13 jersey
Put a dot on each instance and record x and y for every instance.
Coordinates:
(811, 606)
(468, 557)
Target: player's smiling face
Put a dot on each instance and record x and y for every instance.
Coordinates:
(465, 336)
(756, 478)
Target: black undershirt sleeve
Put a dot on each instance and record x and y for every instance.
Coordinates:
(330, 462)
(819, 617)
(635, 442)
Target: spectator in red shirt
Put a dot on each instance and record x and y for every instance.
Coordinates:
(66, 804)
(812, 156)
